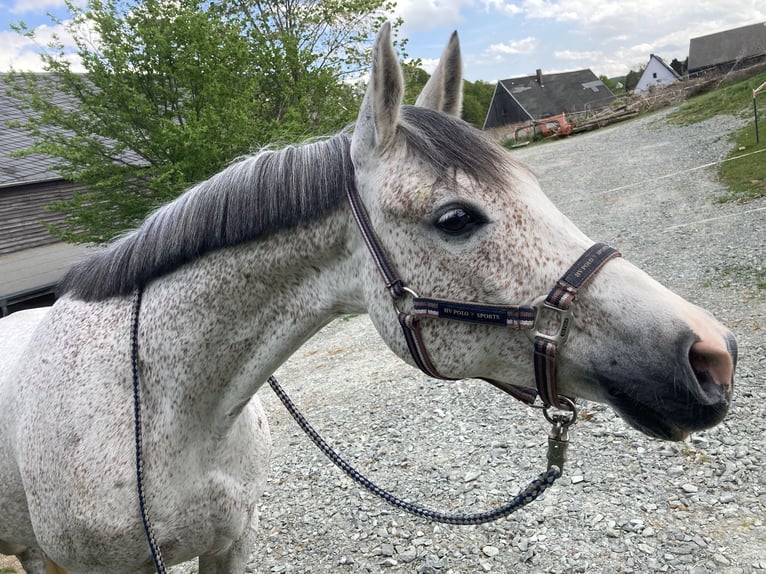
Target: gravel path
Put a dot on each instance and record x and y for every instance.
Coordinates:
(627, 503)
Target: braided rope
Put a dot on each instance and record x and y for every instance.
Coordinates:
(524, 497)
(527, 495)
(159, 564)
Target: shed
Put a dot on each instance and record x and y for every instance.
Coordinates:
(32, 261)
(656, 74)
(529, 98)
(721, 51)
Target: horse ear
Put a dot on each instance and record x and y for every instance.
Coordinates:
(444, 90)
(379, 114)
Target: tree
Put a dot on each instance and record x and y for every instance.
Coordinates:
(174, 91)
(312, 54)
(632, 78)
(614, 84)
(681, 68)
(415, 79)
(477, 97)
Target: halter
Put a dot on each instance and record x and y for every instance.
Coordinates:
(517, 317)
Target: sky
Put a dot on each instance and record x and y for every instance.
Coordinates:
(499, 38)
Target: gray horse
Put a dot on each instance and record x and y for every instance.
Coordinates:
(242, 269)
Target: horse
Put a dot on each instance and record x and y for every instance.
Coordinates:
(240, 270)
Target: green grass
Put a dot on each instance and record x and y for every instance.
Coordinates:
(746, 177)
(745, 174)
(735, 99)
(747, 274)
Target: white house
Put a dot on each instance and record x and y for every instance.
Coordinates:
(657, 73)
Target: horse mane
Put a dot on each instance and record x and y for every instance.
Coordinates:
(260, 194)
(265, 193)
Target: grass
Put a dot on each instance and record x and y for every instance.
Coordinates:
(745, 174)
(756, 275)
(735, 99)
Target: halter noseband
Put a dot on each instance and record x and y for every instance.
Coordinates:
(518, 317)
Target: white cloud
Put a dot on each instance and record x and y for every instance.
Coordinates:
(503, 7)
(429, 64)
(35, 6)
(523, 46)
(23, 54)
(430, 14)
(633, 17)
(575, 55)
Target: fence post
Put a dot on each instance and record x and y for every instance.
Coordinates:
(755, 109)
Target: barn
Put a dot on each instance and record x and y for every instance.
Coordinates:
(32, 261)
(529, 98)
(723, 51)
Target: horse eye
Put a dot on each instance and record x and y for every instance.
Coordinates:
(458, 220)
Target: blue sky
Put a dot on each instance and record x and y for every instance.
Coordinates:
(500, 38)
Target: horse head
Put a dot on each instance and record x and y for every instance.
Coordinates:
(462, 220)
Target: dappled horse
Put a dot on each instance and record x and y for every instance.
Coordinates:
(242, 269)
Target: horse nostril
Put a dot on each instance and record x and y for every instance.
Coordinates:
(713, 361)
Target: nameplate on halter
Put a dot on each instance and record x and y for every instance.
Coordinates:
(588, 264)
(507, 316)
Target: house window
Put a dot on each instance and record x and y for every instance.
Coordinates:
(654, 75)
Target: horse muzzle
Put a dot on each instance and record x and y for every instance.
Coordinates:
(693, 395)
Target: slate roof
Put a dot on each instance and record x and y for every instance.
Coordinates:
(21, 170)
(526, 98)
(747, 42)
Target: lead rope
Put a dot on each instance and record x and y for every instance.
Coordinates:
(557, 444)
(159, 564)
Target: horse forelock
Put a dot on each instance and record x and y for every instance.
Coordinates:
(450, 145)
(258, 195)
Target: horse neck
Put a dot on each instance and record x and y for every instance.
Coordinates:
(217, 328)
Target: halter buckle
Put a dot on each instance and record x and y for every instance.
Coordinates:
(561, 334)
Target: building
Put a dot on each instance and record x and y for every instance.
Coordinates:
(656, 74)
(529, 98)
(722, 51)
(32, 261)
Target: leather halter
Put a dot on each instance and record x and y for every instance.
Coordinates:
(518, 317)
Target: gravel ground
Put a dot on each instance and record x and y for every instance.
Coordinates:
(627, 503)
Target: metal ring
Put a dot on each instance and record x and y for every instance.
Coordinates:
(407, 290)
(560, 418)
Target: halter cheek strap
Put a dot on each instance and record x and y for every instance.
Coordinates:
(559, 301)
(517, 317)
